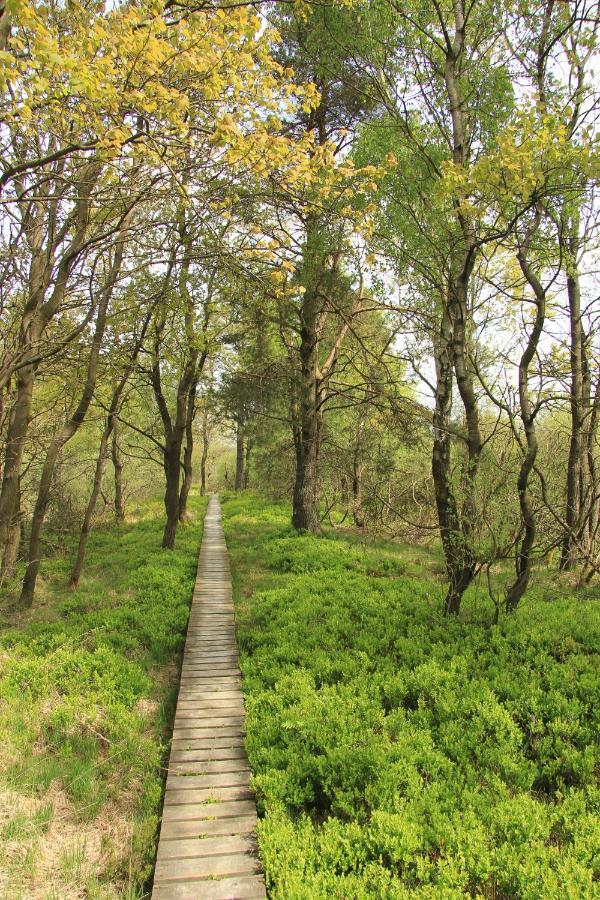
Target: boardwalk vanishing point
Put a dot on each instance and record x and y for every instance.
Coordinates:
(207, 846)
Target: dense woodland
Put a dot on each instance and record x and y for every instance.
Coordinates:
(341, 254)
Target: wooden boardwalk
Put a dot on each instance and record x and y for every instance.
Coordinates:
(207, 847)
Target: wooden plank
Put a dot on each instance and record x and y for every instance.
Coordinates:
(202, 845)
(194, 827)
(205, 866)
(209, 795)
(243, 888)
(207, 847)
(227, 809)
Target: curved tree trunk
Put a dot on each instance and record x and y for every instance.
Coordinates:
(523, 561)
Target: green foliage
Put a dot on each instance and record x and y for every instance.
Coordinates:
(397, 753)
(84, 706)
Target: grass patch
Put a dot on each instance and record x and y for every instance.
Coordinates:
(88, 680)
(399, 754)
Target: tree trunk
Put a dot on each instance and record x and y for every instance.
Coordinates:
(523, 561)
(109, 429)
(188, 472)
(18, 427)
(90, 509)
(239, 456)
(117, 462)
(249, 445)
(172, 466)
(577, 462)
(459, 568)
(14, 541)
(357, 474)
(304, 506)
(205, 447)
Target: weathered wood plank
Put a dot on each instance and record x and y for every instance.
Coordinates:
(207, 847)
(202, 845)
(207, 827)
(205, 866)
(245, 888)
(227, 809)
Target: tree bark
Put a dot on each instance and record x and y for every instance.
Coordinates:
(239, 456)
(304, 507)
(205, 448)
(117, 462)
(523, 560)
(13, 543)
(188, 472)
(249, 445)
(357, 474)
(577, 465)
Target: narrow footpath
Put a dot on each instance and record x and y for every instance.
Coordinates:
(207, 847)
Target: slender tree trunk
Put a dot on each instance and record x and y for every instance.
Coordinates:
(13, 543)
(523, 561)
(577, 462)
(249, 445)
(239, 456)
(452, 360)
(90, 509)
(205, 448)
(304, 507)
(357, 474)
(117, 462)
(186, 483)
(188, 472)
(109, 429)
(447, 510)
(18, 427)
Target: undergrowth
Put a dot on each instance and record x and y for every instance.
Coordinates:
(88, 679)
(400, 754)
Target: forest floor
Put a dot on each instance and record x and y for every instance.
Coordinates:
(400, 754)
(88, 681)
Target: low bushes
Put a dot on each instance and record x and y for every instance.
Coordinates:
(397, 753)
(85, 700)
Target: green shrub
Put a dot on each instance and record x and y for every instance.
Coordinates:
(82, 704)
(399, 754)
